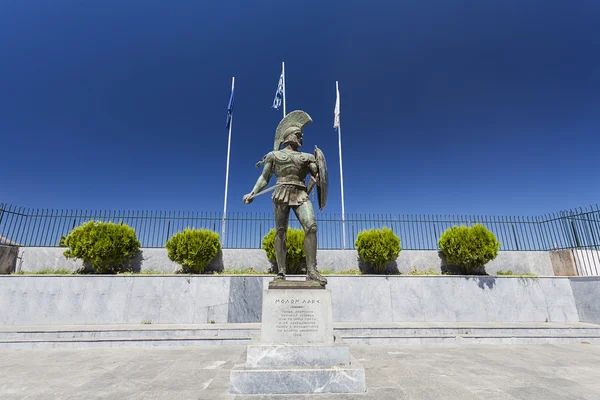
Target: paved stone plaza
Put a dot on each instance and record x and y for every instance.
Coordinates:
(490, 372)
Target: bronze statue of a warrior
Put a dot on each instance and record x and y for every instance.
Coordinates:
(291, 167)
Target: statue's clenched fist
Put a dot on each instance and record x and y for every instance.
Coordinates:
(248, 198)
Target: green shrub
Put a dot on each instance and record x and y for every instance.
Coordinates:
(378, 247)
(193, 249)
(469, 248)
(294, 241)
(106, 246)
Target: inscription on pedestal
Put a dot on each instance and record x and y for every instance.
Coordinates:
(297, 316)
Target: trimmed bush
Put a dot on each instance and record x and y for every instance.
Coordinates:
(106, 246)
(378, 247)
(193, 249)
(296, 257)
(469, 248)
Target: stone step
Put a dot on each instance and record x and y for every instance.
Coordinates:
(207, 341)
(352, 333)
(472, 339)
(128, 331)
(121, 342)
(455, 328)
(253, 329)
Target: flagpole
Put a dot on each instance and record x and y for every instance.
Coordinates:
(339, 129)
(283, 74)
(227, 172)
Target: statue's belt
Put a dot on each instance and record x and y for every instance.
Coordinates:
(279, 183)
(295, 182)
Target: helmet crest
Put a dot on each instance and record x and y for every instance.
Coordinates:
(291, 123)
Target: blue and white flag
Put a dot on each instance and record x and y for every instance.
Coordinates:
(229, 110)
(278, 93)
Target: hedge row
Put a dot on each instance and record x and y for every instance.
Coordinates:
(108, 248)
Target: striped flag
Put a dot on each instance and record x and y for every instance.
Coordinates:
(279, 93)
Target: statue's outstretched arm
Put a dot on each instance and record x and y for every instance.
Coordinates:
(261, 182)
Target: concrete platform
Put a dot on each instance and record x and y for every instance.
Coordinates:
(418, 372)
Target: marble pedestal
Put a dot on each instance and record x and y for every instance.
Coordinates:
(297, 352)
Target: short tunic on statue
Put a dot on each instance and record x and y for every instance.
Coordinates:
(292, 195)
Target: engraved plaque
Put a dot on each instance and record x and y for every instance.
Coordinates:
(297, 316)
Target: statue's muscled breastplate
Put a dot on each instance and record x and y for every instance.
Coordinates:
(290, 168)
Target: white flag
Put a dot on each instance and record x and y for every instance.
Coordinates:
(336, 112)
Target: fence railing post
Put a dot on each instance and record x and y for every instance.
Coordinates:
(575, 235)
(1, 213)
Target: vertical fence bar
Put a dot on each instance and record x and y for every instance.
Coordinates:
(515, 236)
(576, 229)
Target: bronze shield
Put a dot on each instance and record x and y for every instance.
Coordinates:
(322, 187)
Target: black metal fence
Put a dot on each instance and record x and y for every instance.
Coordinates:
(572, 229)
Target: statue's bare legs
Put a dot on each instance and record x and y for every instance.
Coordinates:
(282, 215)
(306, 216)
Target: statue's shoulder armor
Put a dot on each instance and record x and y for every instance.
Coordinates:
(266, 159)
(310, 157)
(280, 155)
(305, 157)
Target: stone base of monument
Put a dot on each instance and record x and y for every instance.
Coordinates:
(297, 352)
(336, 379)
(311, 355)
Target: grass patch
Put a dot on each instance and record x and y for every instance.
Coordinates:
(346, 272)
(147, 272)
(45, 271)
(428, 271)
(242, 271)
(508, 272)
(350, 272)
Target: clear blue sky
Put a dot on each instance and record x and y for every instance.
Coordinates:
(472, 107)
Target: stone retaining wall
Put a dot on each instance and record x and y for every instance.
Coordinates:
(586, 292)
(72, 299)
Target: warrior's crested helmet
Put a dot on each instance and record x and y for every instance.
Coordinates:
(292, 123)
